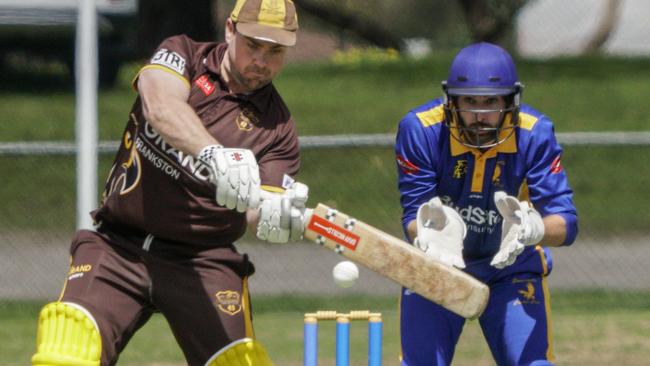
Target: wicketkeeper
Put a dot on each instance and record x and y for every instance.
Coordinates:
(482, 189)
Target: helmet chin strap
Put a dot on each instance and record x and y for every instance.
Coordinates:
(469, 137)
(472, 137)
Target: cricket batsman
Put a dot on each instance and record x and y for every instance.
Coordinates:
(207, 133)
(483, 189)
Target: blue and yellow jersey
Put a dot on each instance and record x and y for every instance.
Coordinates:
(432, 163)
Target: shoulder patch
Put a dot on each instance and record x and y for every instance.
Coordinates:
(431, 116)
(556, 165)
(169, 59)
(527, 121)
(406, 166)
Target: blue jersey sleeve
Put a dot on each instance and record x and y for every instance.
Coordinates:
(416, 161)
(547, 182)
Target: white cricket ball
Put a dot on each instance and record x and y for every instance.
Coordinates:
(345, 274)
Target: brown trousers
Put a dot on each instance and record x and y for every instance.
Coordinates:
(123, 279)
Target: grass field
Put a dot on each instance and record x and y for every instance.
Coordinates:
(579, 94)
(591, 328)
(361, 182)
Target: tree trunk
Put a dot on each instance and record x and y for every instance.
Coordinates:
(491, 21)
(605, 28)
(348, 21)
(159, 19)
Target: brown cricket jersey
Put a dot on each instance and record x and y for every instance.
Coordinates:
(156, 189)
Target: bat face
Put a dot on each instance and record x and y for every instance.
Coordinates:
(397, 260)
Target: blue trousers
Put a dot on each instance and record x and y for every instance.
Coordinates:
(515, 324)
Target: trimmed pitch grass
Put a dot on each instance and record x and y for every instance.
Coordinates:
(590, 328)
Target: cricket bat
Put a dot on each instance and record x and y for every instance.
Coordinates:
(394, 258)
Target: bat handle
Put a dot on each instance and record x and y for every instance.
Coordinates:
(266, 195)
(308, 213)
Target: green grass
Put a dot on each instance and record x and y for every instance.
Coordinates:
(359, 181)
(590, 328)
(579, 94)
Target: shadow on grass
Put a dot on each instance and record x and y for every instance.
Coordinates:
(35, 77)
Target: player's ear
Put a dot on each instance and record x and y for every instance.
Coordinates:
(229, 30)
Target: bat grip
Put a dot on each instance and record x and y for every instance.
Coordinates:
(266, 195)
(308, 213)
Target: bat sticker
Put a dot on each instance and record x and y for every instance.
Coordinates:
(333, 232)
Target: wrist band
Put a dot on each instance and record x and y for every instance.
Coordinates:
(208, 152)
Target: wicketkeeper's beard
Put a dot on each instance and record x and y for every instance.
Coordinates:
(479, 134)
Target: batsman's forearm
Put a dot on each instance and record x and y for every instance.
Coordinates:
(164, 103)
(179, 126)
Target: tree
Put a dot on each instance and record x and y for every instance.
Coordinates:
(491, 20)
(605, 28)
(343, 18)
(159, 19)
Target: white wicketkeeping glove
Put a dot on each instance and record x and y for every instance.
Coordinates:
(440, 233)
(235, 174)
(522, 226)
(283, 215)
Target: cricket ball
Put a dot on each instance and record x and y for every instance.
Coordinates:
(345, 274)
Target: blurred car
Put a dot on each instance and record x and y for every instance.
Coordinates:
(46, 28)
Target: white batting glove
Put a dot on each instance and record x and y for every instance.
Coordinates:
(235, 174)
(441, 231)
(522, 226)
(283, 215)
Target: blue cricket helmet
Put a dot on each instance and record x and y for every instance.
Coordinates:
(487, 70)
(482, 69)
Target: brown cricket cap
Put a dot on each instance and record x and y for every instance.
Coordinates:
(267, 20)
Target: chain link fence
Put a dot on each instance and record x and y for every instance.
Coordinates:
(356, 174)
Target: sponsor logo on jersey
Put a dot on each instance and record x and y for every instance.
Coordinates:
(169, 59)
(157, 160)
(166, 158)
(228, 301)
(477, 219)
(246, 120)
(78, 271)
(406, 166)
(205, 84)
(556, 165)
(460, 169)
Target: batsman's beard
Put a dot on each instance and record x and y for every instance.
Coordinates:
(259, 77)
